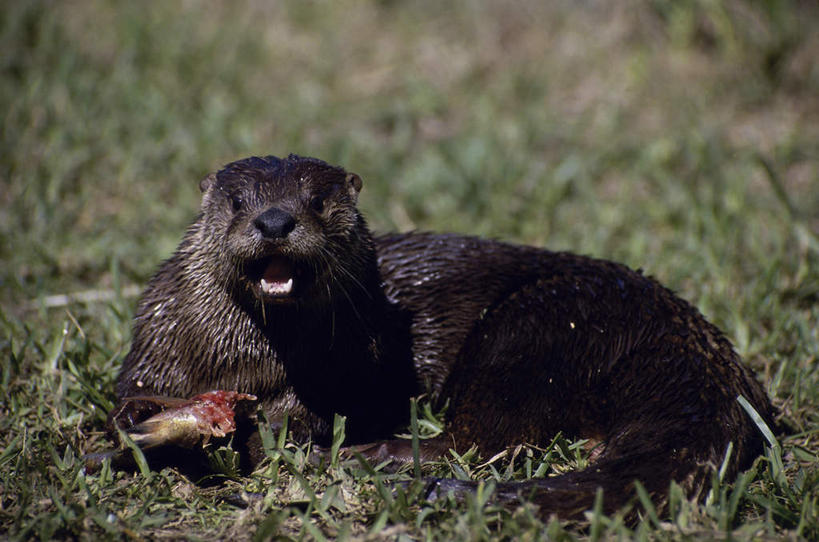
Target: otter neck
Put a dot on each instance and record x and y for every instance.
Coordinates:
(349, 317)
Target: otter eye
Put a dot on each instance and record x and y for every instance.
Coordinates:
(236, 201)
(317, 204)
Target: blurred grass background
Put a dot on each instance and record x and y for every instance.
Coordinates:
(677, 136)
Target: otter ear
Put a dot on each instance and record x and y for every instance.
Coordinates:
(207, 182)
(353, 185)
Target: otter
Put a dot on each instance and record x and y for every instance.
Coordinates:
(280, 290)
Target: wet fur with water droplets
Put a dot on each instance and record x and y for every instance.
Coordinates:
(303, 308)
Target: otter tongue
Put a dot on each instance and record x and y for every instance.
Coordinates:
(277, 278)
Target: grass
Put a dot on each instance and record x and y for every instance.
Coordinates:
(681, 137)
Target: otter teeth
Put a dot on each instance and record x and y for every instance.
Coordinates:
(277, 287)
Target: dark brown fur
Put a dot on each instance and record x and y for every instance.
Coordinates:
(523, 342)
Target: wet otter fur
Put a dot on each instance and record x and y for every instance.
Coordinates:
(278, 289)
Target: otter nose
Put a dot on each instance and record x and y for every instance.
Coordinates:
(274, 223)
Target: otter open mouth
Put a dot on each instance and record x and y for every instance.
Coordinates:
(274, 277)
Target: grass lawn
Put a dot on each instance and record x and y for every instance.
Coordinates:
(679, 136)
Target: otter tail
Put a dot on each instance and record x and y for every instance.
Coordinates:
(570, 495)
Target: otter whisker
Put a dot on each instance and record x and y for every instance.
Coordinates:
(331, 271)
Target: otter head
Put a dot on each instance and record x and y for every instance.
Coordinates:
(287, 229)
